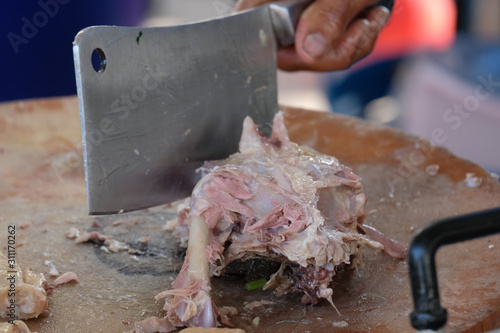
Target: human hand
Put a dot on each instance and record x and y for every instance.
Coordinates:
(331, 34)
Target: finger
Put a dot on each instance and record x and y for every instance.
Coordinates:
(379, 16)
(362, 34)
(339, 57)
(323, 24)
(288, 60)
(355, 43)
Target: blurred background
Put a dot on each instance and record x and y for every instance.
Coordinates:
(435, 70)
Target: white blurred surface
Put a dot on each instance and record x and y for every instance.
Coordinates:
(436, 107)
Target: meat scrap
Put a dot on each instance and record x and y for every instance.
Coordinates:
(66, 278)
(115, 245)
(95, 237)
(225, 313)
(273, 199)
(255, 304)
(26, 288)
(72, 233)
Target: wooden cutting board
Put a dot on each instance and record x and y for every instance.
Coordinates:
(42, 192)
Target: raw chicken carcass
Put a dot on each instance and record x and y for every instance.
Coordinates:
(275, 200)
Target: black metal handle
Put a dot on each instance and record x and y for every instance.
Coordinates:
(428, 313)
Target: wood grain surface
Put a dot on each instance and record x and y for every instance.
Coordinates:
(42, 193)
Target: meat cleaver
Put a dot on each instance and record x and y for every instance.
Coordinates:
(160, 101)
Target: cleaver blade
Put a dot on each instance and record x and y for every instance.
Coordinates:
(157, 102)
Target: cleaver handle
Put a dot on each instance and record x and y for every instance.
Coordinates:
(285, 16)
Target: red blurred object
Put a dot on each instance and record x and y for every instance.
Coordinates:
(416, 25)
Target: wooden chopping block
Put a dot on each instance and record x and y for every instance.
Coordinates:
(42, 193)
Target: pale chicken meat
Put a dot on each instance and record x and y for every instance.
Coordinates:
(275, 200)
(23, 293)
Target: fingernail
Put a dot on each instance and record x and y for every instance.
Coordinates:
(315, 45)
(359, 31)
(384, 17)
